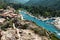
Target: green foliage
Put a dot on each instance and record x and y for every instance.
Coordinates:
(16, 12)
(53, 37)
(3, 5)
(38, 10)
(7, 24)
(39, 31)
(3, 27)
(25, 26)
(35, 10)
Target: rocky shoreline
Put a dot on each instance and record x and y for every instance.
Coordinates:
(57, 22)
(13, 27)
(19, 34)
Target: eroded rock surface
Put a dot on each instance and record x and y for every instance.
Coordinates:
(19, 34)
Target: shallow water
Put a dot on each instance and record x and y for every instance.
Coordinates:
(41, 23)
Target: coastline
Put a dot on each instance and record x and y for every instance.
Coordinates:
(48, 27)
(43, 19)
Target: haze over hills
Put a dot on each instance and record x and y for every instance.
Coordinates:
(42, 2)
(46, 3)
(15, 1)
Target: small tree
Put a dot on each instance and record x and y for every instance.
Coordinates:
(25, 26)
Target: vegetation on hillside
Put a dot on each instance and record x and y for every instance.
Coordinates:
(3, 5)
(38, 10)
(35, 10)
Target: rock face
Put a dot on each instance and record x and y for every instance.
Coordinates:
(19, 34)
(2, 20)
(57, 23)
(12, 32)
(9, 35)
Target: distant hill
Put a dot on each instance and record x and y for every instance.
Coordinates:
(15, 1)
(47, 3)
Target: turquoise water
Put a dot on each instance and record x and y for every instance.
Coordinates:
(40, 23)
(49, 21)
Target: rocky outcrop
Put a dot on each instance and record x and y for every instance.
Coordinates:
(57, 23)
(16, 28)
(19, 34)
(2, 20)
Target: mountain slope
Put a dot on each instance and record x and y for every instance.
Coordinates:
(47, 3)
(15, 1)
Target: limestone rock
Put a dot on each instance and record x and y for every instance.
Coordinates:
(19, 34)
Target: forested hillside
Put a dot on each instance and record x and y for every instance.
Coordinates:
(46, 8)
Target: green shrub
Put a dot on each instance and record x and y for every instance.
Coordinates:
(25, 26)
(38, 31)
